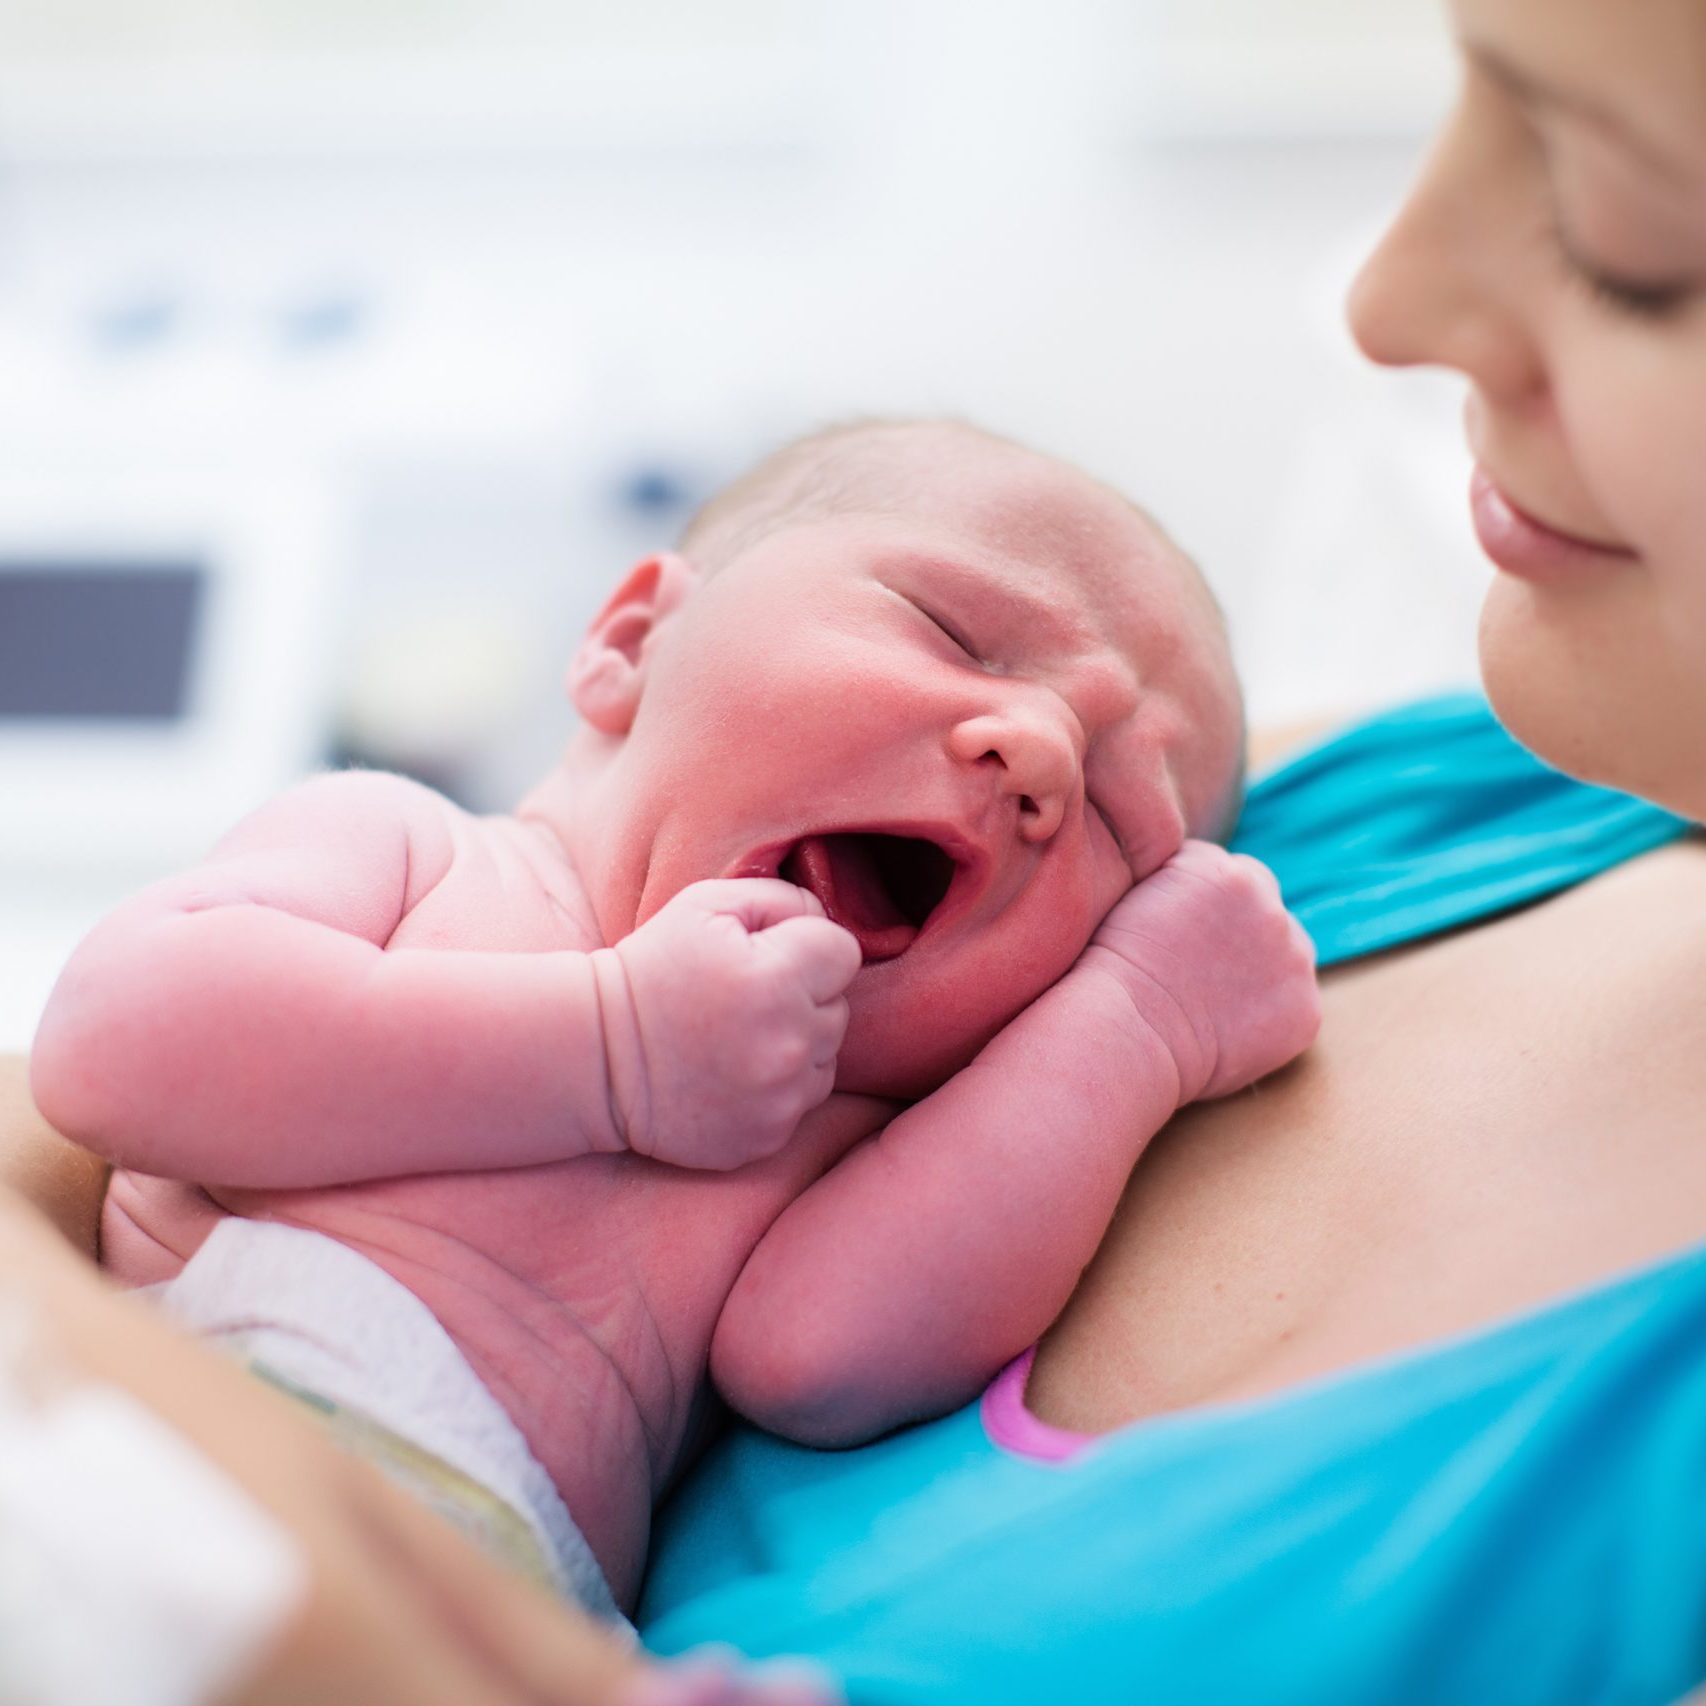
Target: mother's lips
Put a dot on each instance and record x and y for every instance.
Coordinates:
(1527, 547)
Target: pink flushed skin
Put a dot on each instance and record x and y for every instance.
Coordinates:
(807, 687)
(983, 1203)
(584, 1292)
(799, 691)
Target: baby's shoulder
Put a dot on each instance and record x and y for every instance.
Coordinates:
(358, 821)
(352, 800)
(466, 880)
(497, 882)
(371, 794)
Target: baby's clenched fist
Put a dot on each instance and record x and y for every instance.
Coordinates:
(723, 1014)
(1215, 966)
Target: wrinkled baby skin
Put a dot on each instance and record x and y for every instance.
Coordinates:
(873, 779)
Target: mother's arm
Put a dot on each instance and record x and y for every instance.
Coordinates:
(64, 1182)
(397, 1609)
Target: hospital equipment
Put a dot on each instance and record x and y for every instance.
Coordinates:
(162, 669)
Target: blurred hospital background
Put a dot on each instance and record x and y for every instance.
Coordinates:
(349, 349)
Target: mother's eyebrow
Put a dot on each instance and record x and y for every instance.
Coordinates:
(1537, 91)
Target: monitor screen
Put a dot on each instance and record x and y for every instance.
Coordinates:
(98, 641)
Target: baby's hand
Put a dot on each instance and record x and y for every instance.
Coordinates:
(723, 1014)
(1216, 967)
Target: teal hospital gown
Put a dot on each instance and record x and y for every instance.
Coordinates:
(1517, 1515)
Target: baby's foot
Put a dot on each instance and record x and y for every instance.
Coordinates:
(718, 1676)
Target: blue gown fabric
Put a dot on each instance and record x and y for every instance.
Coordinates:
(1517, 1515)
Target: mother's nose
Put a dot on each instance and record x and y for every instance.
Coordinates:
(1033, 756)
(1443, 286)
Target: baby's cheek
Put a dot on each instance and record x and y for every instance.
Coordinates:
(906, 1041)
(917, 1020)
(907, 1036)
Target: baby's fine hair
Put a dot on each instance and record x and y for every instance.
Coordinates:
(846, 467)
(835, 470)
(863, 465)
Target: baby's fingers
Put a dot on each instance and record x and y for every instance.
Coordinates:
(828, 1030)
(757, 902)
(822, 955)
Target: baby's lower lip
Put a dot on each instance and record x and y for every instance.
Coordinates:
(1526, 547)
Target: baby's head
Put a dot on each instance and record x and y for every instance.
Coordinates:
(963, 692)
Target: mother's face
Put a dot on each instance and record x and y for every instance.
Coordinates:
(1554, 251)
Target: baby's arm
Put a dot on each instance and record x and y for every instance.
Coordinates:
(901, 1281)
(242, 1024)
(246, 1025)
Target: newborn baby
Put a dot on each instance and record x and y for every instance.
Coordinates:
(800, 1029)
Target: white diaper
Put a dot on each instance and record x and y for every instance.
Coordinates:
(339, 1332)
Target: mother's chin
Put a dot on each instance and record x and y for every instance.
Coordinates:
(1590, 677)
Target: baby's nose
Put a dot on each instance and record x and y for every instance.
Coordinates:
(1034, 758)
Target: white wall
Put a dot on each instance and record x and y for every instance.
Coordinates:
(471, 274)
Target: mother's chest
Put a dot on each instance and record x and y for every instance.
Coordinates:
(1489, 1122)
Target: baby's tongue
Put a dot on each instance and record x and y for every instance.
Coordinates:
(841, 870)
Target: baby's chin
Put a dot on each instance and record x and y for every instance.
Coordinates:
(903, 1051)
(916, 1021)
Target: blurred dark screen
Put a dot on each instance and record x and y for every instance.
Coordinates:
(91, 640)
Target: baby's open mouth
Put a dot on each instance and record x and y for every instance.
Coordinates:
(881, 887)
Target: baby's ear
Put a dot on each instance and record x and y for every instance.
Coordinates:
(609, 671)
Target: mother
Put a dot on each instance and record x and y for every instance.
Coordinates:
(1494, 1120)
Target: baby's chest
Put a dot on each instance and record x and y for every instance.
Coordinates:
(502, 892)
